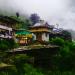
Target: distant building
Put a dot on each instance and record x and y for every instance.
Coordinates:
(41, 31)
(61, 33)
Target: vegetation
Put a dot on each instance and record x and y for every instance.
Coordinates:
(46, 62)
(51, 61)
(6, 44)
(20, 66)
(65, 55)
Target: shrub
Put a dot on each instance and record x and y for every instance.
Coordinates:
(6, 44)
(58, 41)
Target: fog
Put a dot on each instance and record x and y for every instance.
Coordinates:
(59, 12)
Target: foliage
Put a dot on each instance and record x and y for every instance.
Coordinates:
(20, 66)
(65, 55)
(17, 14)
(52, 58)
(6, 44)
(60, 73)
(21, 23)
(58, 41)
(27, 23)
(53, 61)
(28, 70)
(12, 43)
(67, 35)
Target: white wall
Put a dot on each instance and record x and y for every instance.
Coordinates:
(34, 36)
(44, 37)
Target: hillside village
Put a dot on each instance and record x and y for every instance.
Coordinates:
(14, 28)
(37, 37)
(24, 43)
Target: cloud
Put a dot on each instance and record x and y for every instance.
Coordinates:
(60, 12)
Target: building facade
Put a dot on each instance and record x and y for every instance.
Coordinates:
(7, 26)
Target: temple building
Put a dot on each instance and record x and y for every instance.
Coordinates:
(41, 31)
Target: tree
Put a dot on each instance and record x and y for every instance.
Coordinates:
(34, 18)
(27, 24)
(17, 14)
(58, 41)
(64, 56)
(67, 35)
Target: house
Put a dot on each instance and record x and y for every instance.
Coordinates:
(41, 31)
(7, 26)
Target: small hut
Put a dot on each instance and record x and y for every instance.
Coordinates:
(23, 37)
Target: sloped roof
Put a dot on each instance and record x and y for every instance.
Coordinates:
(22, 32)
(42, 24)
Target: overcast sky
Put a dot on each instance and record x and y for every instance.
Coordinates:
(60, 12)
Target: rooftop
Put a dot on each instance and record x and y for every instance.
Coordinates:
(42, 24)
